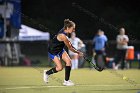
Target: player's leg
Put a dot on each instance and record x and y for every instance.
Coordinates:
(117, 59)
(93, 56)
(57, 68)
(76, 61)
(104, 58)
(97, 57)
(67, 60)
(72, 62)
(123, 59)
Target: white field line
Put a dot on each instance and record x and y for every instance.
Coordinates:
(36, 87)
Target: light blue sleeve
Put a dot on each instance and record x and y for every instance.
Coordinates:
(105, 38)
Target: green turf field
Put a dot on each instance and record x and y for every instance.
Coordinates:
(29, 80)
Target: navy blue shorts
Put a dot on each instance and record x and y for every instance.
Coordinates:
(58, 55)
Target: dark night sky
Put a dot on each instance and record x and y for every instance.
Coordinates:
(51, 14)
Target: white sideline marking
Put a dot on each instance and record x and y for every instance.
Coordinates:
(36, 87)
(32, 87)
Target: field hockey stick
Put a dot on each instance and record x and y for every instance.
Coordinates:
(97, 68)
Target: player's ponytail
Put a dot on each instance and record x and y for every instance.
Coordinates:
(68, 23)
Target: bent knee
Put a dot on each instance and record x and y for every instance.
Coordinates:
(59, 68)
(68, 63)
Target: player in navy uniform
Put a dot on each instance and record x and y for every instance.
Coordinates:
(57, 51)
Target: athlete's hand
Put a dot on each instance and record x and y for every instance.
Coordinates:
(80, 54)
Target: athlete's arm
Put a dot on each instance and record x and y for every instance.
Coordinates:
(122, 41)
(119, 40)
(126, 39)
(64, 38)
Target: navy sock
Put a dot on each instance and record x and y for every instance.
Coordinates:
(67, 72)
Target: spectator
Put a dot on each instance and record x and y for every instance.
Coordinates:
(99, 44)
(122, 44)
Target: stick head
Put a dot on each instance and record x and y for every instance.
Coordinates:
(100, 69)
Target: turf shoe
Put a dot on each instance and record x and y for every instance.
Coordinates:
(68, 83)
(45, 76)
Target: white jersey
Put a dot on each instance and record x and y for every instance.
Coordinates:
(121, 38)
(75, 44)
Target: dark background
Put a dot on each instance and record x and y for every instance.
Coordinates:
(48, 15)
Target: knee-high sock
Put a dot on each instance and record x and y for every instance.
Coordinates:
(51, 71)
(67, 72)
